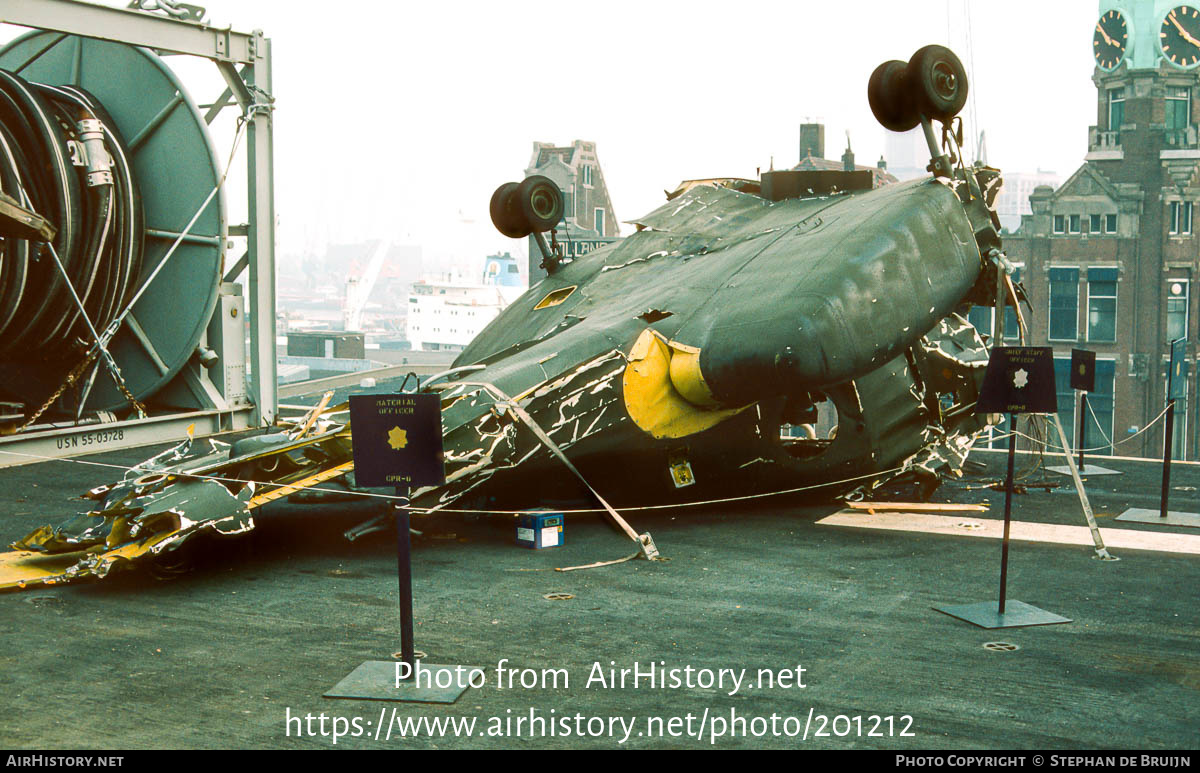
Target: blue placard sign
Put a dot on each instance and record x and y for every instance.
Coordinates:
(397, 440)
(1019, 379)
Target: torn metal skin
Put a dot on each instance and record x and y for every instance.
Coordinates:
(679, 353)
(197, 487)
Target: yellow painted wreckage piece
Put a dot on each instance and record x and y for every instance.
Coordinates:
(664, 391)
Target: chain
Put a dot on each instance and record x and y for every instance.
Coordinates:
(70, 380)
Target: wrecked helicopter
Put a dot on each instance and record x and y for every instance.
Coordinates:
(802, 331)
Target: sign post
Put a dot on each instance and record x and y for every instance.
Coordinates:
(1083, 380)
(1019, 379)
(1176, 388)
(397, 441)
(404, 575)
(1008, 491)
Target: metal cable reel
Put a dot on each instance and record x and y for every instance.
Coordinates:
(101, 140)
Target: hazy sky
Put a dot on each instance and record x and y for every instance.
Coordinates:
(399, 119)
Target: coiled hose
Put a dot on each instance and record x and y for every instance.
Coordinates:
(62, 157)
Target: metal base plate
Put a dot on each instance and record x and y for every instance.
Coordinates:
(1017, 614)
(1174, 518)
(375, 680)
(1090, 469)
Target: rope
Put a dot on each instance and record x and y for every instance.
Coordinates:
(392, 497)
(1100, 427)
(647, 544)
(1112, 444)
(975, 86)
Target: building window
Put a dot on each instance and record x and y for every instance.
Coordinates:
(1060, 224)
(587, 174)
(1074, 224)
(1178, 107)
(1012, 329)
(600, 221)
(981, 318)
(1180, 435)
(1067, 402)
(999, 431)
(1064, 304)
(1177, 309)
(1180, 221)
(1098, 427)
(1116, 109)
(1094, 224)
(1110, 224)
(1102, 304)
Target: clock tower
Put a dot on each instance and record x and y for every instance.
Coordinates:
(1147, 57)
(1111, 256)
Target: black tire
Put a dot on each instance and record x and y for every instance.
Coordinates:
(891, 99)
(540, 202)
(505, 214)
(938, 82)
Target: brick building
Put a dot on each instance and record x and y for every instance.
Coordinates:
(1109, 256)
(1012, 203)
(588, 211)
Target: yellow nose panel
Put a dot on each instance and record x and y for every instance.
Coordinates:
(652, 399)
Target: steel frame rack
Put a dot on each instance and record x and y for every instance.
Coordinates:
(244, 61)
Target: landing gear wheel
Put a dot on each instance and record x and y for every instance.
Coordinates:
(938, 82)
(890, 97)
(506, 216)
(540, 202)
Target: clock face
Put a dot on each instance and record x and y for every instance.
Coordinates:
(1180, 36)
(1108, 44)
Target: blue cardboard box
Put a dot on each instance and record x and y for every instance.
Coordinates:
(539, 529)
